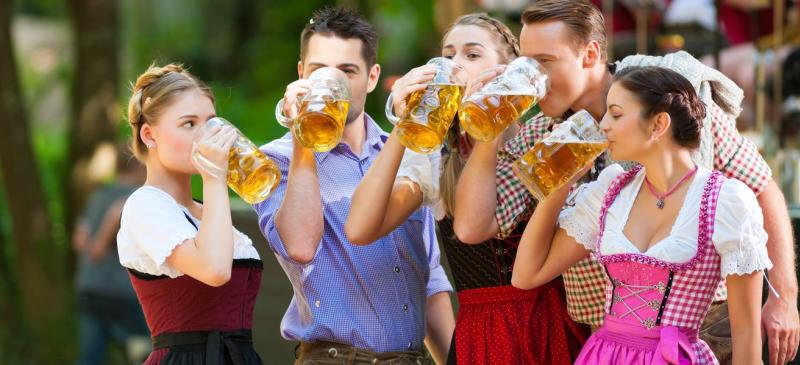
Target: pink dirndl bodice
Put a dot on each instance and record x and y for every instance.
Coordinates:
(654, 309)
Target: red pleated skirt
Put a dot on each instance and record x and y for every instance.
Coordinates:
(506, 325)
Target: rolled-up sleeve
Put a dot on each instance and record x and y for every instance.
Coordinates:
(437, 281)
(735, 156)
(514, 202)
(268, 208)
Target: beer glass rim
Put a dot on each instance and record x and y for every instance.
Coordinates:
(591, 128)
(210, 123)
(456, 71)
(327, 71)
(539, 90)
(526, 59)
(330, 73)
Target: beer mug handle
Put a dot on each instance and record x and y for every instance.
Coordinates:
(389, 111)
(282, 119)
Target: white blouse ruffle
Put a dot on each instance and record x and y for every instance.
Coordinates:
(153, 224)
(424, 170)
(739, 237)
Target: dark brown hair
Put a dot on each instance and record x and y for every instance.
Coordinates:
(659, 90)
(582, 18)
(153, 91)
(344, 23)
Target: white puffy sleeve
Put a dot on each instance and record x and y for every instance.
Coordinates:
(581, 214)
(424, 170)
(152, 225)
(739, 236)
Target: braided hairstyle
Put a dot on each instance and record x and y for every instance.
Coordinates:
(507, 45)
(153, 91)
(659, 90)
(453, 162)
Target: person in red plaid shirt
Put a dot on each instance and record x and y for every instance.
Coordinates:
(568, 39)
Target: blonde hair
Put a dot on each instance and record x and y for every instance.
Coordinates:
(153, 91)
(508, 45)
(453, 162)
(452, 165)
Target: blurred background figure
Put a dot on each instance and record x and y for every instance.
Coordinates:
(109, 316)
(790, 108)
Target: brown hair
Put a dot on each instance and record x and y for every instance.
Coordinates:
(582, 18)
(153, 91)
(508, 46)
(659, 90)
(343, 23)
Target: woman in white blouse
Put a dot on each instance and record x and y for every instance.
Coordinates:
(668, 232)
(196, 276)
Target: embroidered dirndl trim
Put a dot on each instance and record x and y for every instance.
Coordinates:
(708, 207)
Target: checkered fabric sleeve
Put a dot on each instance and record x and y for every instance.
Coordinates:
(585, 286)
(735, 156)
(514, 202)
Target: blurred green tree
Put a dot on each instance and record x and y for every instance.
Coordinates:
(95, 118)
(37, 283)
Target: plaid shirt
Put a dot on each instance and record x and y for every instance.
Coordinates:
(734, 156)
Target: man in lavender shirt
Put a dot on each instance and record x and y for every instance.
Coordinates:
(363, 304)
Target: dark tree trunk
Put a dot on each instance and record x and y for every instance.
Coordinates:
(95, 108)
(32, 245)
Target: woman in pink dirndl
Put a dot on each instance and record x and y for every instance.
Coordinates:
(667, 231)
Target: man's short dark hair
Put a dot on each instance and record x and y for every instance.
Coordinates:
(344, 23)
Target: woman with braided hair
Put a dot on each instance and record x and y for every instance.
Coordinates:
(668, 232)
(496, 323)
(194, 274)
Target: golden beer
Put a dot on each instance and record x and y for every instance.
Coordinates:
(547, 167)
(251, 174)
(429, 114)
(487, 112)
(320, 124)
(485, 116)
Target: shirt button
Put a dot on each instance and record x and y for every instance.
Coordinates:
(405, 307)
(397, 269)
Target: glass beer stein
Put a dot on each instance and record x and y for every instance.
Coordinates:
(251, 174)
(552, 162)
(322, 112)
(430, 112)
(487, 112)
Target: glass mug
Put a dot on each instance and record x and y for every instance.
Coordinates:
(486, 113)
(322, 112)
(251, 174)
(552, 162)
(430, 112)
